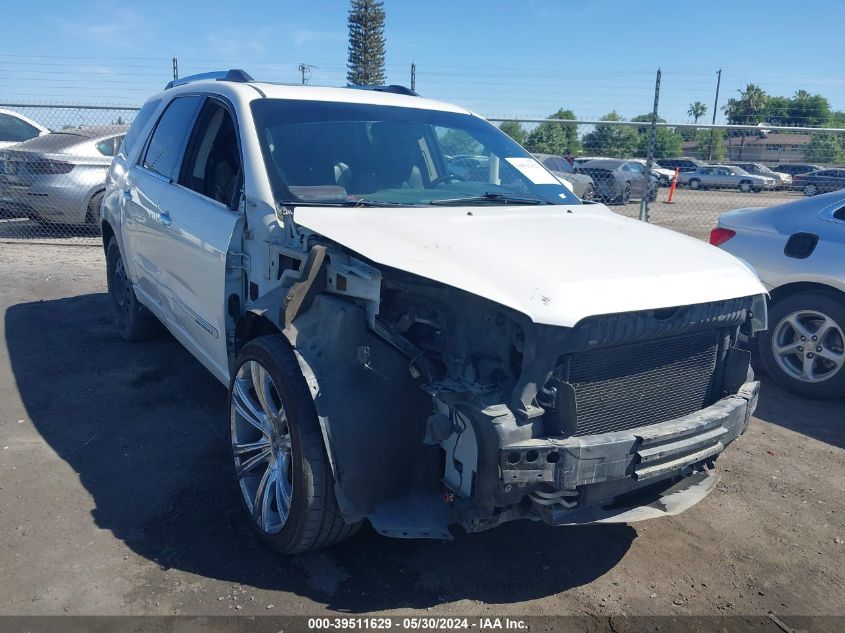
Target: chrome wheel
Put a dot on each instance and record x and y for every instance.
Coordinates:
(810, 190)
(261, 447)
(809, 346)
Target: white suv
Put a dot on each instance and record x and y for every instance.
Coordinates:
(416, 345)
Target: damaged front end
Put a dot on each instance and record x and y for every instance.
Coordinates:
(440, 407)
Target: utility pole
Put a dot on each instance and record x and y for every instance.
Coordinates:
(305, 71)
(413, 76)
(175, 69)
(652, 134)
(715, 108)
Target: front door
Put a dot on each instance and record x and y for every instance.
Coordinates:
(203, 215)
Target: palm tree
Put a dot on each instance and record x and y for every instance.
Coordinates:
(697, 110)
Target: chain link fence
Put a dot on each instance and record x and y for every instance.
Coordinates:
(53, 165)
(51, 184)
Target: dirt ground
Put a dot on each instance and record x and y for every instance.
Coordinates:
(116, 498)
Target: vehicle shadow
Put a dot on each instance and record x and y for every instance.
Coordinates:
(143, 426)
(819, 419)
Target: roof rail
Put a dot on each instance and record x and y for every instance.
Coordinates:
(234, 74)
(394, 88)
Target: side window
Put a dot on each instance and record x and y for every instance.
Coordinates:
(636, 168)
(165, 145)
(15, 130)
(212, 165)
(138, 124)
(555, 164)
(107, 146)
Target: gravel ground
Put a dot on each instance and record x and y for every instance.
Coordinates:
(116, 498)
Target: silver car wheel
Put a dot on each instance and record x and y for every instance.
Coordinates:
(810, 190)
(261, 447)
(809, 346)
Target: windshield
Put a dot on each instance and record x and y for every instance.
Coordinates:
(319, 152)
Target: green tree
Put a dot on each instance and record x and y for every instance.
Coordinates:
(808, 110)
(514, 130)
(777, 111)
(824, 148)
(703, 147)
(697, 110)
(667, 142)
(749, 108)
(836, 119)
(555, 138)
(618, 141)
(366, 43)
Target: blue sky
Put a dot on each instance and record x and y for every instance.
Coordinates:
(499, 58)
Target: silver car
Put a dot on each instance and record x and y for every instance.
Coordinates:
(582, 184)
(59, 177)
(798, 249)
(725, 177)
(783, 181)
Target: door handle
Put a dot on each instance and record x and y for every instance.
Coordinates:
(164, 218)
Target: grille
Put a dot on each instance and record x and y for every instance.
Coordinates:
(624, 387)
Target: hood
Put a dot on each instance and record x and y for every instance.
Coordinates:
(557, 264)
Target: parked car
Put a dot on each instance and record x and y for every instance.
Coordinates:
(59, 177)
(618, 181)
(793, 169)
(406, 346)
(725, 177)
(577, 162)
(582, 184)
(821, 181)
(759, 169)
(664, 176)
(797, 249)
(682, 164)
(15, 127)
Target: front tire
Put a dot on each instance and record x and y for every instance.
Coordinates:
(281, 466)
(625, 196)
(134, 322)
(804, 351)
(745, 187)
(694, 184)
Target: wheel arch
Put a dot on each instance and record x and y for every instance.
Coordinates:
(786, 290)
(107, 233)
(252, 324)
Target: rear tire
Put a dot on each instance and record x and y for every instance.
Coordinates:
(810, 190)
(784, 353)
(92, 215)
(695, 183)
(298, 510)
(134, 322)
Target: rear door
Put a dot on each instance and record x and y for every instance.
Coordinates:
(203, 212)
(144, 198)
(639, 180)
